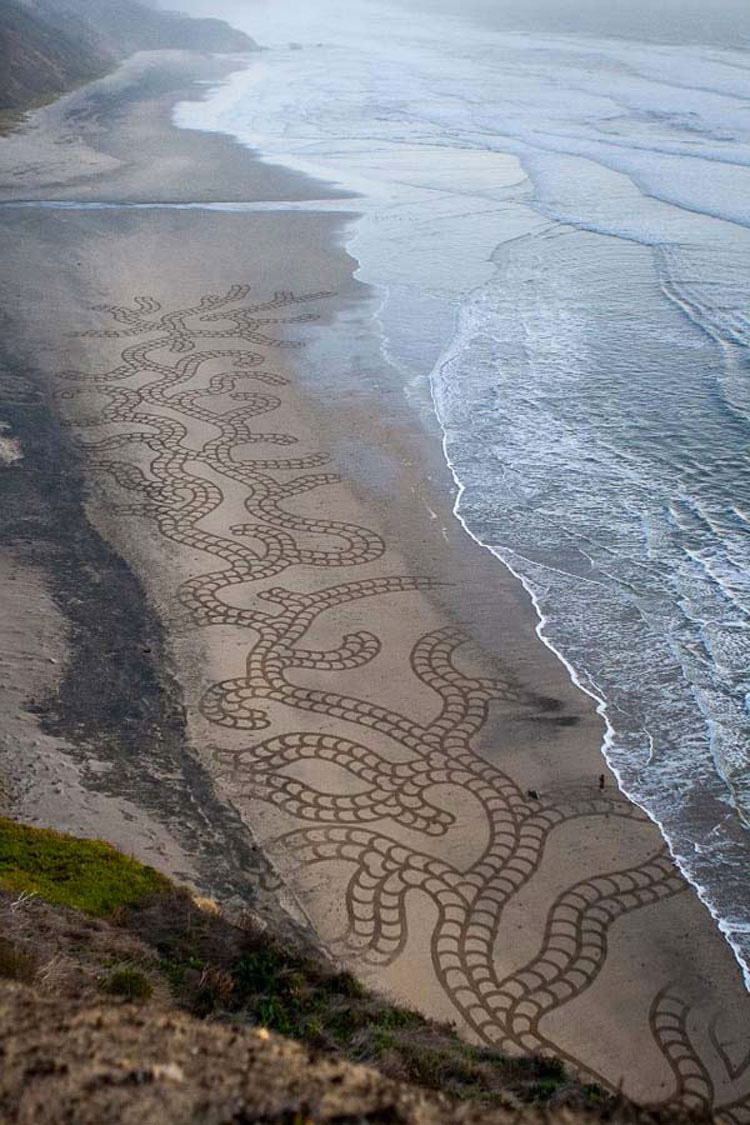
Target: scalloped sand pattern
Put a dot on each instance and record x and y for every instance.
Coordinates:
(351, 752)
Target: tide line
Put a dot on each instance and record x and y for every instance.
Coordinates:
(310, 205)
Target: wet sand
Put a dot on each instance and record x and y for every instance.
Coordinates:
(364, 693)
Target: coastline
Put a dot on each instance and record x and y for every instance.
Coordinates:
(541, 730)
(686, 837)
(635, 578)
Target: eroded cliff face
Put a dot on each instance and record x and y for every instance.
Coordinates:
(49, 46)
(38, 60)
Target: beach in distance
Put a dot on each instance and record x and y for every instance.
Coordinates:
(404, 364)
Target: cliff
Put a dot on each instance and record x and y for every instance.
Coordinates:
(49, 46)
(122, 998)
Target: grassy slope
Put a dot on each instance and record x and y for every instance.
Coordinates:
(86, 874)
(223, 972)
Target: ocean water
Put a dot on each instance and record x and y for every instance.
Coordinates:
(554, 204)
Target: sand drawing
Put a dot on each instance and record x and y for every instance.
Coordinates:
(162, 387)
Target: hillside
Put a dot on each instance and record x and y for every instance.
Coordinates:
(49, 46)
(122, 997)
(38, 60)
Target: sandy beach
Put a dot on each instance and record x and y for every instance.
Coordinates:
(346, 709)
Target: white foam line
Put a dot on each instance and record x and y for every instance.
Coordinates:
(123, 205)
(725, 927)
(601, 706)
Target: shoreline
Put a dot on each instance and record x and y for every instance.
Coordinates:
(649, 681)
(426, 400)
(540, 728)
(722, 924)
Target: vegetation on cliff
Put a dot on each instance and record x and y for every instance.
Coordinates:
(39, 60)
(150, 941)
(49, 46)
(88, 875)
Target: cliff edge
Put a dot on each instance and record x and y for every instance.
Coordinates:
(123, 998)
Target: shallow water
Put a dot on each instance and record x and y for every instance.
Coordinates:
(559, 226)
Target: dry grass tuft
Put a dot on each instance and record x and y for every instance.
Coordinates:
(207, 905)
(17, 963)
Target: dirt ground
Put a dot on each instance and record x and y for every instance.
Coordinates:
(99, 1064)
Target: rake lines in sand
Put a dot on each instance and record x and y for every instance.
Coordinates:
(391, 799)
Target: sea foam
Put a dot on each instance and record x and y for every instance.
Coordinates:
(559, 230)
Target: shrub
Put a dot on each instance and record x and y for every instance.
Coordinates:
(214, 992)
(128, 984)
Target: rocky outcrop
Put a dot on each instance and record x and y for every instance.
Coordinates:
(124, 26)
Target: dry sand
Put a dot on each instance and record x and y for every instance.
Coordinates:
(362, 684)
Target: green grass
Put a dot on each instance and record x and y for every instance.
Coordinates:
(88, 875)
(242, 975)
(249, 977)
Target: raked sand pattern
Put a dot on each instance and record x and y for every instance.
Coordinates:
(369, 810)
